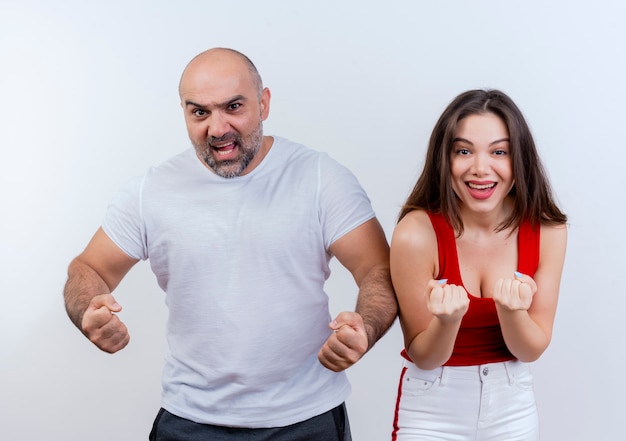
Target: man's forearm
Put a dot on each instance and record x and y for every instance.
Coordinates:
(82, 285)
(377, 303)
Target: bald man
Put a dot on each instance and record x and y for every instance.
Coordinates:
(239, 231)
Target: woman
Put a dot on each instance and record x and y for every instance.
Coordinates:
(476, 262)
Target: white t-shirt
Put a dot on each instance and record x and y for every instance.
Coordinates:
(243, 263)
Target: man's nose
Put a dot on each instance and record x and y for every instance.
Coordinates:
(218, 125)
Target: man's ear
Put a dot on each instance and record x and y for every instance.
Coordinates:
(265, 103)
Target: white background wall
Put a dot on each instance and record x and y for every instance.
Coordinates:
(88, 98)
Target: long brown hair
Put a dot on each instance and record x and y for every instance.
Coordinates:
(531, 193)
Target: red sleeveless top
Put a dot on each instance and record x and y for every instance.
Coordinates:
(479, 339)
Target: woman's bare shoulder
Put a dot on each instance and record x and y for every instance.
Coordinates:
(415, 230)
(554, 234)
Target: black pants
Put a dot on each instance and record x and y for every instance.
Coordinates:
(329, 426)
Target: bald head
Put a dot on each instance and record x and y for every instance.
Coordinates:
(223, 61)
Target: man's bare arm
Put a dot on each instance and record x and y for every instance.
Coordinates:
(92, 276)
(365, 253)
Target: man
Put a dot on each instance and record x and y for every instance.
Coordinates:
(239, 231)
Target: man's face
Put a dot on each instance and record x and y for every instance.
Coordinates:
(231, 154)
(224, 114)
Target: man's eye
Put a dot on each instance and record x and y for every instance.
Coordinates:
(199, 112)
(234, 106)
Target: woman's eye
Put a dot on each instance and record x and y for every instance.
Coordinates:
(462, 152)
(500, 152)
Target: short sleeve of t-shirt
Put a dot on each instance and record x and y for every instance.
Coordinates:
(344, 205)
(123, 221)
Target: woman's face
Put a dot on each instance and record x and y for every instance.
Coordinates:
(480, 163)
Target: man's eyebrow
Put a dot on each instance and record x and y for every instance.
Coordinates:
(221, 105)
(191, 103)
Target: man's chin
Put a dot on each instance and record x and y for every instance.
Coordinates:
(228, 170)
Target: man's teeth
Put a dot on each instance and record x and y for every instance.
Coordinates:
(480, 186)
(224, 149)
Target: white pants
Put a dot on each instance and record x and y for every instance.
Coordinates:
(490, 402)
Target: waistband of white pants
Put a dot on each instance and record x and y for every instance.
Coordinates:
(483, 372)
